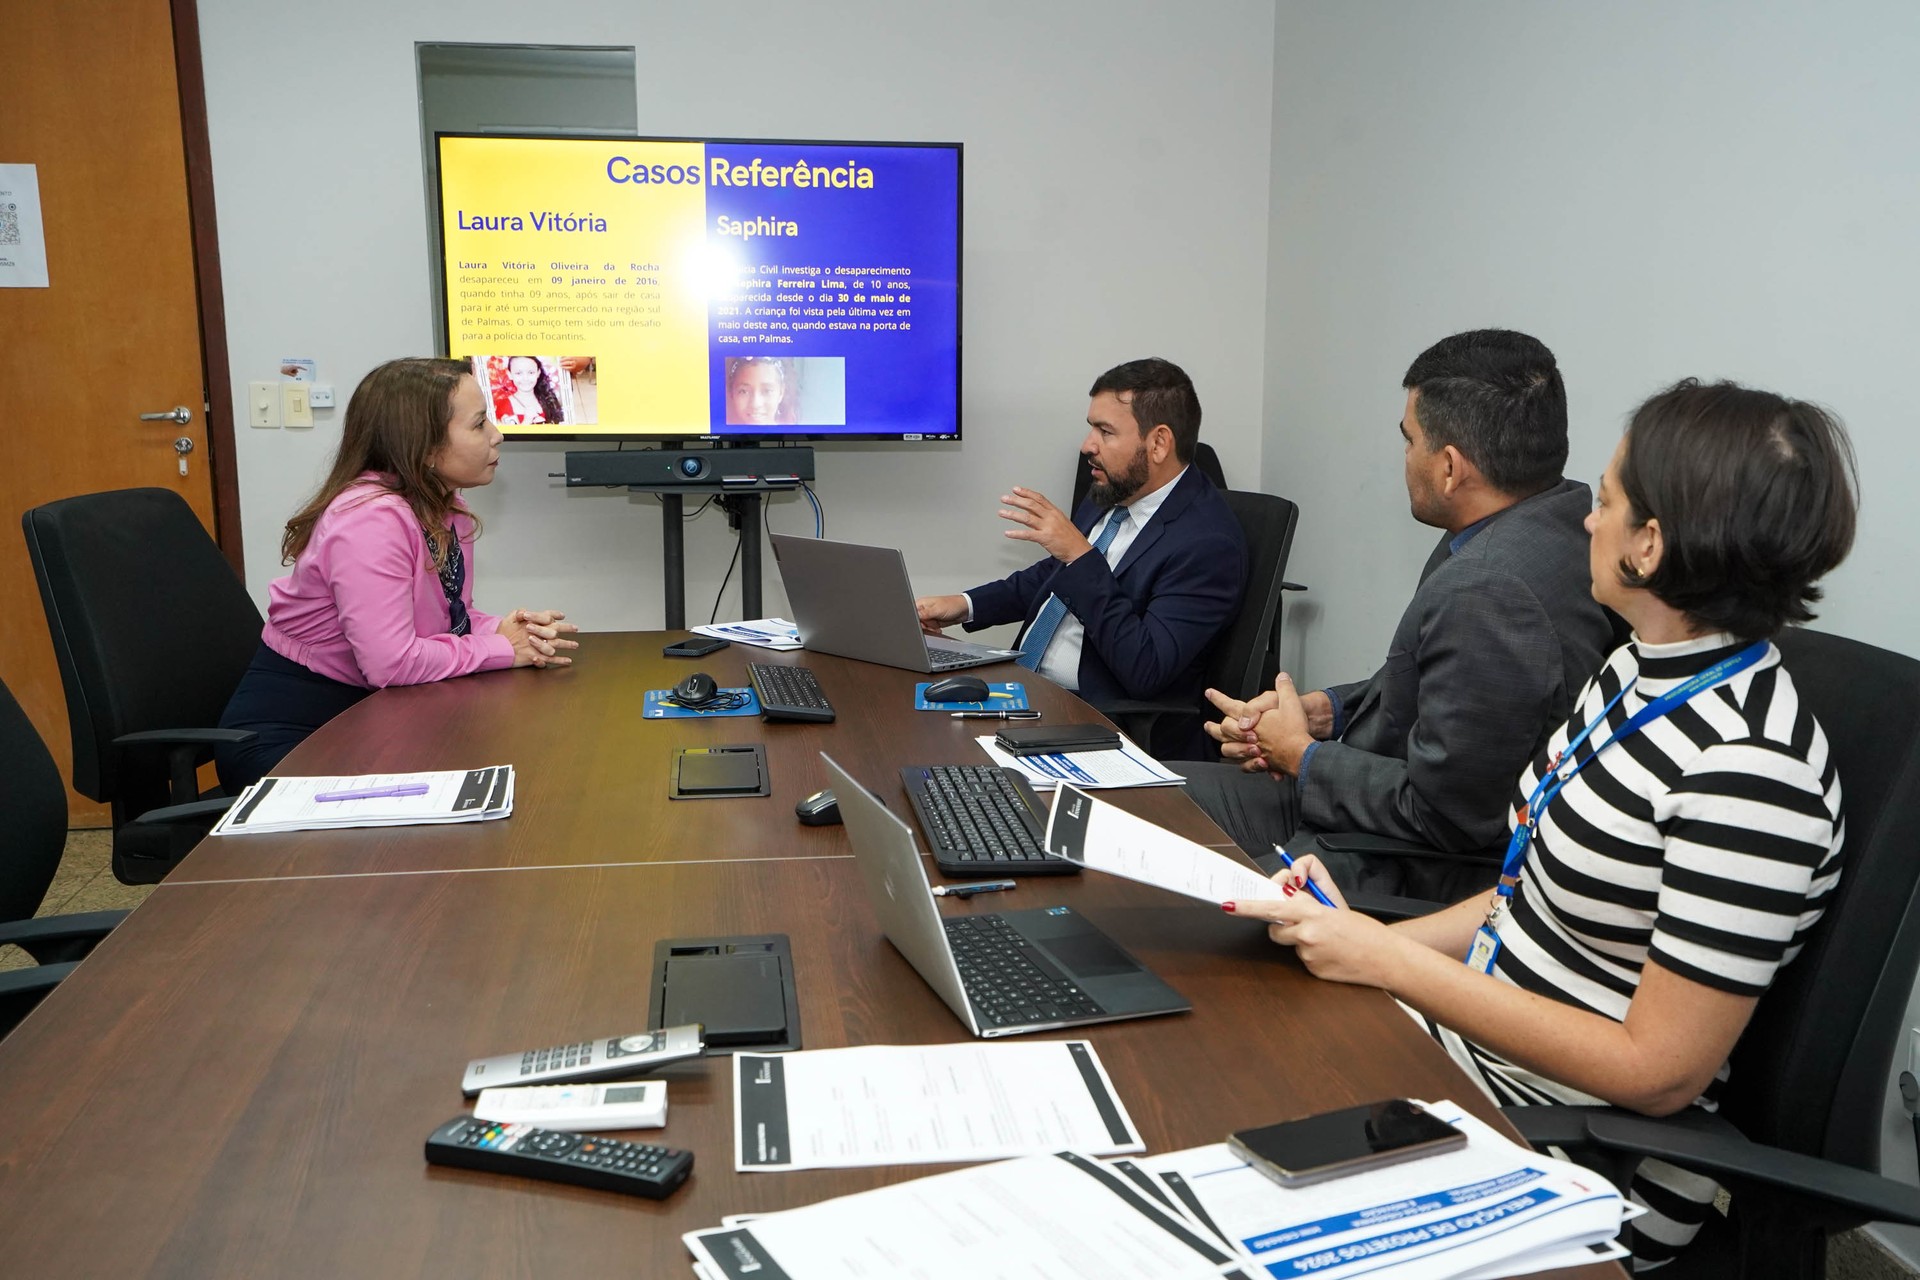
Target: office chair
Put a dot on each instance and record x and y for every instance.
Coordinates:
(152, 630)
(35, 802)
(1797, 1136)
(1243, 658)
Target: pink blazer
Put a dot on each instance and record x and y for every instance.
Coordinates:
(364, 606)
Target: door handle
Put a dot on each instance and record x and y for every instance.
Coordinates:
(179, 413)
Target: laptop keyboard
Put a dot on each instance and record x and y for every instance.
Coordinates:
(1009, 982)
(977, 822)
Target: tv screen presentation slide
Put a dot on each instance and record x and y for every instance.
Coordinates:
(675, 289)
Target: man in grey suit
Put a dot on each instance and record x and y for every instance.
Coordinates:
(1500, 636)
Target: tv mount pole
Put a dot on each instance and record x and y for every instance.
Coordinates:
(739, 475)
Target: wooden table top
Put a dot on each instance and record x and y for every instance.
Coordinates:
(240, 1080)
(591, 775)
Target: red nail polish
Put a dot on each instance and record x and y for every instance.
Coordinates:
(1227, 907)
(1286, 890)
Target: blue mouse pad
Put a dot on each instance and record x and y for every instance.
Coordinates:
(1000, 697)
(661, 706)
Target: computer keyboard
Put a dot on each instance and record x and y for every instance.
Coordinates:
(789, 693)
(1009, 983)
(981, 820)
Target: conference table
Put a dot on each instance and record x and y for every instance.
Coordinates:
(239, 1080)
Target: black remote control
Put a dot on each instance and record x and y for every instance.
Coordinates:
(586, 1160)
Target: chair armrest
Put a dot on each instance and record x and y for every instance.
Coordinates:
(184, 749)
(1383, 846)
(1385, 906)
(1149, 707)
(206, 811)
(49, 939)
(1702, 1141)
(21, 989)
(184, 737)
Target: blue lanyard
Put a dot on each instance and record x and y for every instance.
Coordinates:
(1568, 764)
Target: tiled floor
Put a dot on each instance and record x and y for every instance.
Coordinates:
(85, 883)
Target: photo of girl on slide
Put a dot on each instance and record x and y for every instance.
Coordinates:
(758, 391)
(524, 391)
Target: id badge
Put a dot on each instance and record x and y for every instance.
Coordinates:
(1484, 951)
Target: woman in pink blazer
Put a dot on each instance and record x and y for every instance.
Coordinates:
(381, 592)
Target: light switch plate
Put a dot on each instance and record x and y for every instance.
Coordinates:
(263, 404)
(295, 409)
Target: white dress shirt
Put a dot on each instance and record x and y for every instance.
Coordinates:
(1061, 662)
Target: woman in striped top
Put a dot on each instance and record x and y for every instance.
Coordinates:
(1681, 865)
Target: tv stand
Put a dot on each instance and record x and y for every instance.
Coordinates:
(739, 475)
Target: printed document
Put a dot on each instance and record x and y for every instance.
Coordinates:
(1128, 766)
(763, 633)
(1491, 1208)
(1051, 1215)
(370, 800)
(924, 1104)
(1100, 837)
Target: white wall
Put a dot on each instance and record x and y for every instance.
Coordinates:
(1719, 189)
(1116, 186)
(1655, 190)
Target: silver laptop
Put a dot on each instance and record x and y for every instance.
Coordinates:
(1002, 973)
(856, 602)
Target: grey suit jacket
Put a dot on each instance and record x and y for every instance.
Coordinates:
(1484, 665)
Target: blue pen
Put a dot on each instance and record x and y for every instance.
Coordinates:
(377, 793)
(1312, 888)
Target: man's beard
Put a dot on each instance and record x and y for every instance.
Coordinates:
(1116, 489)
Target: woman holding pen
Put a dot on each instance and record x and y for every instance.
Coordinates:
(381, 591)
(1677, 839)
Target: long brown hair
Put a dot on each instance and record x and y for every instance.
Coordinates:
(397, 418)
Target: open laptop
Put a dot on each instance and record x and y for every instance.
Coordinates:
(1002, 973)
(856, 602)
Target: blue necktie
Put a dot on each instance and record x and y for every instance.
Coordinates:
(1040, 634)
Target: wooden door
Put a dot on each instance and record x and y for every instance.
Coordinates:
(93, 100)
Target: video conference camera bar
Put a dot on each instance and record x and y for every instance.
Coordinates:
(709, 470)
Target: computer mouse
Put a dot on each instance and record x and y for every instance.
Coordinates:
(818, 810)
(958, 689)
(697, 690)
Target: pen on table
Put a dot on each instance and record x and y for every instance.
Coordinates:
(1312, 888)
(377, 793)
(994, 715)
(968, 890)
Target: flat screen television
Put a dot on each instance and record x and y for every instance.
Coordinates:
(705, 288)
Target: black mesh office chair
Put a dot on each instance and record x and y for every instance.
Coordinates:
(1243, 658)
(1797, 1136)
(152, 630)
(35, 802)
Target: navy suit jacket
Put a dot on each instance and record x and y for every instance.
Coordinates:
(1150, 619)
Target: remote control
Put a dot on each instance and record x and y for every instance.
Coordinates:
(606, 1164)
(577, 1108)
(606, 1059)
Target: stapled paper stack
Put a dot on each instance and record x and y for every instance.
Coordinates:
(370, 800)
(1491, 1208)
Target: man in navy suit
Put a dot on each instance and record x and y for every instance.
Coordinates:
(1147, 572)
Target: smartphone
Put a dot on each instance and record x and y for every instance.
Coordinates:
(1301, 1152)
(694, 647)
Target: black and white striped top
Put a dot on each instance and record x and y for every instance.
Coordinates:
(1709, 842)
